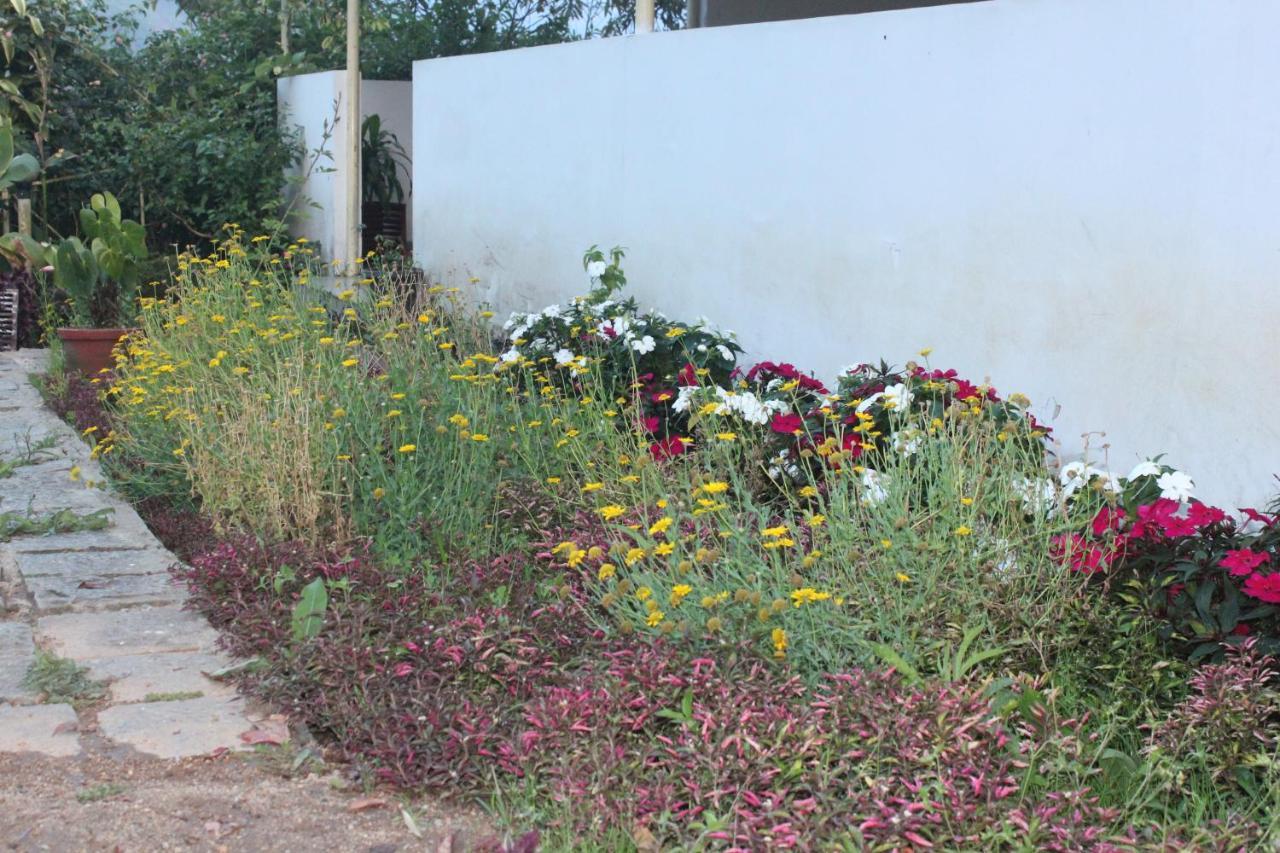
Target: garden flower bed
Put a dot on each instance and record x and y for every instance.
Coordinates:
(635, 594)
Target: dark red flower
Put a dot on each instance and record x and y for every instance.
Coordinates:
(1084, 556)
(965, 389)
(852, 442)
(651, 423)
(688, 375)
(1106, 520)
(667, 448)
(663, 395)
(787, 423)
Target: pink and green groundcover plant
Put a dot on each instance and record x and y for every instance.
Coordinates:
(721, 750)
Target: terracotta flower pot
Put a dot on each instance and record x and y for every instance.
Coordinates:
(89, 350)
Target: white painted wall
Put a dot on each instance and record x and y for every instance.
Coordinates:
(306, 102)
(1079, 199)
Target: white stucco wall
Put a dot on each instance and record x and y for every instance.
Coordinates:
(306, 103)
(1079, 199)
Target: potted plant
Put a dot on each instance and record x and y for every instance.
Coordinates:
(18, 252)
(382, 211)
(99, 279)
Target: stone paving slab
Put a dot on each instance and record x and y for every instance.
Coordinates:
(110, 539)
(77, 564)
(135, 677)
(89, 636)
(17, 652)
(54, 593)
(177, 729)
(47, 729)
(110, 581)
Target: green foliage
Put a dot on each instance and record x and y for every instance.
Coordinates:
(59, 680)
(14, 169)
(381, 158)
(103, 791)
(308, 613)
(29, 453)
(62, 521)
(100, 279)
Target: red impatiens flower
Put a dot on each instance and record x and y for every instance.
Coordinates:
(1085, 557)
(787, 424)
(1264, 587)
(1161, 517)
(667, 448)
(1107, 519)
(1243, 561)
(1260, 517)
(1202, 515)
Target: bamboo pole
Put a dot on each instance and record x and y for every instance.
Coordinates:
(352, 117)
(24, 216)
(644, 16)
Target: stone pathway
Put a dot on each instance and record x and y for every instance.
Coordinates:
(103, 599)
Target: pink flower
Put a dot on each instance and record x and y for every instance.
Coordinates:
(1264, 587)
(1243, 561)
(1106, 520)
(1161, 515)
(651, 423)
(1084, 556)
(787, 424)
(667, 448)
(1202, 515)
(402, 669)
(1260, 517)
(663, 396)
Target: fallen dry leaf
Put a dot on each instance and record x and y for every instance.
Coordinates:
(365, 803)
(274, 730)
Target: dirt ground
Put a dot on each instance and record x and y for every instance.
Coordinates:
(234, 802)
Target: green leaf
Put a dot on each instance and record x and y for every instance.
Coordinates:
(1204, 596)
(1118, 765)
(1229, 611)
(24, 167)
(895, 660)
(1203, 651)
(308, 613)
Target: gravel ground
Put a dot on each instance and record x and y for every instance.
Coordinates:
(226, 803)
